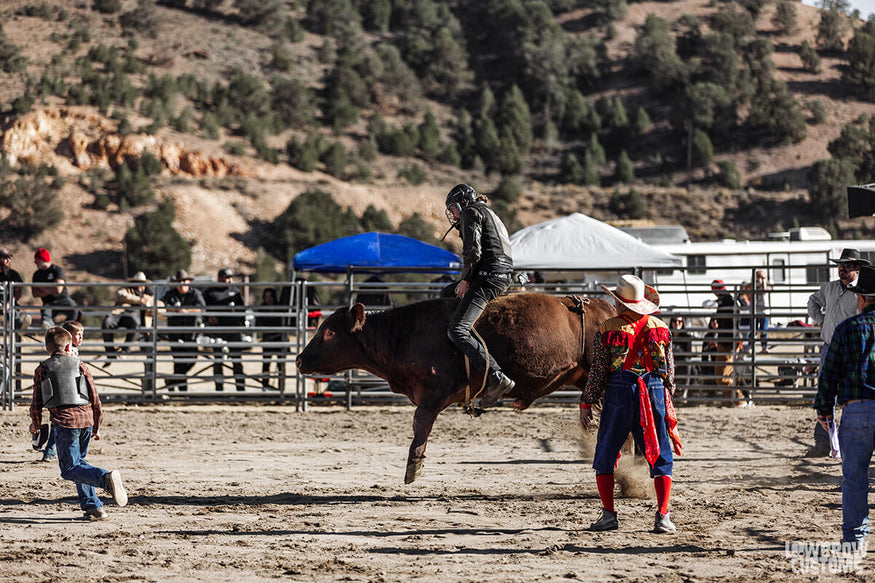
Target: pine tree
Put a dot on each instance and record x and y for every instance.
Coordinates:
(625, 169)
(154, 246)
(810, 58)
(429, 137)
(515, 119)
(703, 150)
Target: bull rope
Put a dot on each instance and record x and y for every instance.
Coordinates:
(580, 307)
(469, 406)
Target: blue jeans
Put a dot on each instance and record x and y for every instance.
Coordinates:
(59, 305)
(72, 449)
(50, 448)
(480, 291)
(621, 415)
(762, 324)
(857, 440)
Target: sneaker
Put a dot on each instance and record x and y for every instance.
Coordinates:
(607, 521)
(663, 524)
(96, 514)
(115, 488)
(49, 456)
(497, 385)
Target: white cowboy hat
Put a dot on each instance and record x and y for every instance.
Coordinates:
(635, 294)
(138, 277)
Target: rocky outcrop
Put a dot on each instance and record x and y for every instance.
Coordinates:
(86, 140)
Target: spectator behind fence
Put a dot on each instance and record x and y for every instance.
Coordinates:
(682, 348)
(709, 350)
(761, 289)
(286, 299)
(375, 296)
(57, 304)
(9, 274)
(827, 307)
(188, 302)
(724, 343)
(131, 314)
(227, 303)
(268, 316)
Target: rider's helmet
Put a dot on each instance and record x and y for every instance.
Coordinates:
(459, 197)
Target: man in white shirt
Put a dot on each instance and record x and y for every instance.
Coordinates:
(827, 307)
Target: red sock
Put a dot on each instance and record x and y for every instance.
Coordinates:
(663, 491)
(605, 482)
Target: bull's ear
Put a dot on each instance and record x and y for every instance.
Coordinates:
(357, 317)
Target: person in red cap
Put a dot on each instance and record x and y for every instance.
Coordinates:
(723, 345)
(632, 374)
(57, 303)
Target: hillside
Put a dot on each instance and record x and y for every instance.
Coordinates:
(225, 195)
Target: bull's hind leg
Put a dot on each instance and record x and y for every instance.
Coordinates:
(423, 421)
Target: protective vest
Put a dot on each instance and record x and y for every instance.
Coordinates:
(64, 386)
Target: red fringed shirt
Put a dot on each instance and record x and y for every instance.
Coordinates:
(613, 342)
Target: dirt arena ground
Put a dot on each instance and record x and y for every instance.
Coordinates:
(261, 493)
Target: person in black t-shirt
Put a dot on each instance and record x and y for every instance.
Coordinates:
(190, 303)
(57, 304)
(9, 274)
(227, 308)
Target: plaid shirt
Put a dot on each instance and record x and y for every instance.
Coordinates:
(78, 417)
(848, 372)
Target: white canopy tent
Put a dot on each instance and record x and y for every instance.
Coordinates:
(579, 243)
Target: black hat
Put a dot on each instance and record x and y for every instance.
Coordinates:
(225, 272)
(851, 256)
(865, 284)
(182, 275)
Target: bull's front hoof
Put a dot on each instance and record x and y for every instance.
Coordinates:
(414, 469)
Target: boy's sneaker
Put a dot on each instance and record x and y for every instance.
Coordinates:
(115, 488)
(49, 456)
(607, 521)
(96, 514)
(663, 524)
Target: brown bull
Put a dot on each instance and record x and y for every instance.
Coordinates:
(535, 338)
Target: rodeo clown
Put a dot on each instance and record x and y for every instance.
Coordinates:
(633, 373)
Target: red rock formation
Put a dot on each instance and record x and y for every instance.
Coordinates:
(87, 140)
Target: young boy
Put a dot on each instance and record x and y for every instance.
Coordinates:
(77, 331)
(65, 387)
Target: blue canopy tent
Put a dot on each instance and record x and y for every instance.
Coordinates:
(375, 250)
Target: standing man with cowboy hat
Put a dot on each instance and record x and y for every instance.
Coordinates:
(129, 314)
(827, 307)
(187, 305)
(633, 374)
(847, 377)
